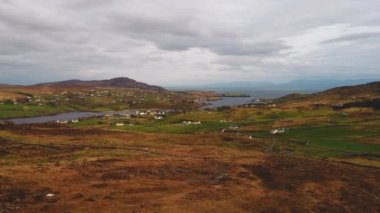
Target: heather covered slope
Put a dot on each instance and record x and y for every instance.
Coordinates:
(370, 90)
(336, 96)
(117, 171)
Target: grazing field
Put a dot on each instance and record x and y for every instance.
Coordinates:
(21, 110)
(328, 130)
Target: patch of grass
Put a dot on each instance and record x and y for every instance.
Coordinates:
(24, 110)
(171, 128)
(285, 114)
(318, 152)
(104, 152)
(88, 123)
(334, 138)
(204, 116)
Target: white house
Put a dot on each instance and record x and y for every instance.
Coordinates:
(277, 131)
(192, 122)
(61, 122)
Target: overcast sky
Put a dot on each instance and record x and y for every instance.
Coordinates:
(173, 42)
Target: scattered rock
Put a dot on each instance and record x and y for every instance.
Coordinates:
(77, 196)
(99, 185)
(50, 195)
(92, 198)
(221, 178)
(108, 197)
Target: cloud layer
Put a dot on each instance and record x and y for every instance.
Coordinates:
(170, 42)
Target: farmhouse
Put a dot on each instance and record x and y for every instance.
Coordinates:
(61, 122)
(231, 129)
(192, 122)
(277, 131)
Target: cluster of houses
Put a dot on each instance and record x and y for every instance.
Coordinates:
(152, 112)
(157, 114)
(260, 102)
(111, 97)
(66, 122)
(34, 100)
(128, 114)
(9, 101)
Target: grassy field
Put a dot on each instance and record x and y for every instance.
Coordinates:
(312, 133)
(21, 110)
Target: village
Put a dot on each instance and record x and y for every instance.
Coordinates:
(73, 97)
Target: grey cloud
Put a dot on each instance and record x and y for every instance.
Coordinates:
(197, 41)
(31, 19)
(265, 49)
(140, 24)
(354, 37)
(86, 4)
(179, 35)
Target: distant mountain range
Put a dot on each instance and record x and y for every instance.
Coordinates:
(302, 85)
(296, 85)
(121, 82)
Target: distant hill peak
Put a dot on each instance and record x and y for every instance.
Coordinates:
(119, 82)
